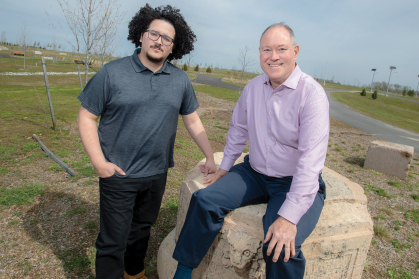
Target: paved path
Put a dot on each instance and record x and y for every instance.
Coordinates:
(370, 125)
(213, 81)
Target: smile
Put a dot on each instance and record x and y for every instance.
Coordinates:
(274, 65)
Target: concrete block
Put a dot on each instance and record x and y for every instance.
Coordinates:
(337, 248)
(389, 158)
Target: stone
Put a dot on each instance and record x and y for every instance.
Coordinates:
(389, 158)
(337, 248)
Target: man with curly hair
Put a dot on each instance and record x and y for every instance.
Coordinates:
(138, 99)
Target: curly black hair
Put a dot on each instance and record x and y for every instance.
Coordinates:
(183, 42)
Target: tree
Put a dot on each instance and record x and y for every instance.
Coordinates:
(374, 95)
(54, 48)
(209, 70)
(108, 46)
(23, 41)
(3, 37)
(196, 68)
(89, 22)
(363, 93)
(189, 58)
(185, 67)
(245, 61)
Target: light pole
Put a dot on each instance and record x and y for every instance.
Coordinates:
(417, 89)
(373, 78)
(391, 69)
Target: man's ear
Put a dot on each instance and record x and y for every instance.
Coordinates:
(296, 51)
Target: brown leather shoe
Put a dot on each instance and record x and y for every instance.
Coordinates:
(138, 276)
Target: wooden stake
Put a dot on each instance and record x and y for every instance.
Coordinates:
(81, 85)
(52, 155)
(44, 68)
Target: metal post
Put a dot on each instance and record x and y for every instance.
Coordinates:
(78, 69)
(417, 89)
(372, 78)
(391, 69)
(44, 68)
(324, 81)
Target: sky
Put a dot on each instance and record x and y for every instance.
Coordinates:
(349, 38)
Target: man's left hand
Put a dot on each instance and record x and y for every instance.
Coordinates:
(209, 167)
(281, 233)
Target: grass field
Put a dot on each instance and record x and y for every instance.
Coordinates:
(401, 113)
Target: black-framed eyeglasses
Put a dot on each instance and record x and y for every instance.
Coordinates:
(154, 35)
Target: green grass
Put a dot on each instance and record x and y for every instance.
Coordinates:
(394, 184)
(402, 113)
(77, 210)
(380, 231)
(92, 227)
(21, 195)
(379, 191)
(395, 273)
(415, 197)
(72, 260)
(218, 92)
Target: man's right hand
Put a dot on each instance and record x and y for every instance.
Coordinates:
(210, 179)
(108, 169)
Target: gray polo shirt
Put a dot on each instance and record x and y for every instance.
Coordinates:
(139, 112)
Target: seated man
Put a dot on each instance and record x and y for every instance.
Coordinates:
(284, 114)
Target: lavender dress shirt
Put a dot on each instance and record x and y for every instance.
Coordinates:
(288, 131)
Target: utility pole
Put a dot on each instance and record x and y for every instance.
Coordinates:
(372, 78)
(391, 69)
(324, 81)
(417, 89)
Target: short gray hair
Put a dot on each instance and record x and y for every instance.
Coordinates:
(282, 24)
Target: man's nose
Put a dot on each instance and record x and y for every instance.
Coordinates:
(274, 55)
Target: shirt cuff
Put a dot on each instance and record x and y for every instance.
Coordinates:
(227, 163)
(291, 211)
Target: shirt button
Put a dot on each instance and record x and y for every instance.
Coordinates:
(269, 131)
(269, 167)
(270, 112)
(269, 148)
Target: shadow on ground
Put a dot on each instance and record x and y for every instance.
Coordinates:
(68, 226)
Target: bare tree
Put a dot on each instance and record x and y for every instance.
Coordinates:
(189, 58)
(54, 48)
(245, 62)
(23, 41)
(3, 37)
(107, 46)
(89, 21)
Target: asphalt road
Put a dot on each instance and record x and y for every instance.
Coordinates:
(370, 125)
(213, 81)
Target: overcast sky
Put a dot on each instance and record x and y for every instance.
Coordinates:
(352, 37)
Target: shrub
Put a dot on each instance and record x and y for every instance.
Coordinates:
(185, 67)
(209, 70)
(363, 93)
(374, 95)
(411, 93)
(196, 68)
(404, 92)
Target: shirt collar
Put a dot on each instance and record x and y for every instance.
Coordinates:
(139, 67)
(291, 81)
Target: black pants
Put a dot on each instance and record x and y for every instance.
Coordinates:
(128, 209)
